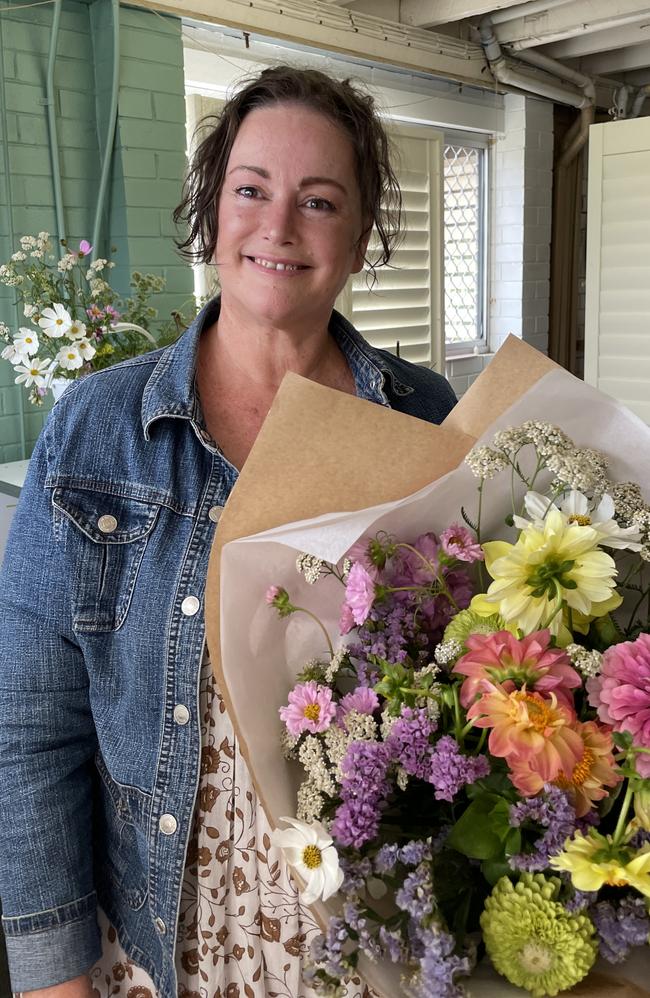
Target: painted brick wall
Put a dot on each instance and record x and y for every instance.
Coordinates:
(148, 158)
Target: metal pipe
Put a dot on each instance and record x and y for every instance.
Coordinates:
(51, 121)
(641, 95)
(550, 65)
(505, 73)
(574, 140)
(110, 131)
(524, 10)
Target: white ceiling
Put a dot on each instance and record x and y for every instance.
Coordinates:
(605, 38)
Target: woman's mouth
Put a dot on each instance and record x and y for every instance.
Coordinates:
(276, 264)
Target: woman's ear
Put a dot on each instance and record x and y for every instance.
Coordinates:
(361, 249)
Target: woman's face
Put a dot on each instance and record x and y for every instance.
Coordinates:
(289, 217)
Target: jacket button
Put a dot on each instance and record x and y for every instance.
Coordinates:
(161, 928)
(181, 714)
(190, 606)
(215, 513)
(107, 523)
(167, 824)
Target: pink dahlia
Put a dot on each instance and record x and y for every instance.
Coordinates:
(516, 662)
(621, 693)
(457, 542)
(310, 709)
(360, 591)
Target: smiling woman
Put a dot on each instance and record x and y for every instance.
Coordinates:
(128, 790)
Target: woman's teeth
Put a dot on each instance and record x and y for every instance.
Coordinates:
(277, 266)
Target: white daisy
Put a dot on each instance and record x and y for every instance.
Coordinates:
(55, 321)
(77, 330)
(32, 372)
(13, 355)
(69, 357)
(310, 851)
(575, 509)
(27, 341)
(86, 349)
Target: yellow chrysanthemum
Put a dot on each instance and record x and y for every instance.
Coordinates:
(593, 861)
(553, 564)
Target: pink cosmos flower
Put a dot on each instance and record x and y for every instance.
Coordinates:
(360, 551)
(310, 709)
(621, 693)
(457, 542)
(272, 594)
(112, 312)
(530, 729)
(94, 312)
(360, 591)
(84, 248)
(363, 699)
(516, 662)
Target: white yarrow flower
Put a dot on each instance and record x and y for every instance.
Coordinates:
(69, 357)
(26, 342)
(32, 372)
(55, 321)
(310, 851)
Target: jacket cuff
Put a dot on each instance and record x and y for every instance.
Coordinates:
(54, 946)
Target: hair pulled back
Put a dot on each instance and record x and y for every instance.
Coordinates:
(344, 104)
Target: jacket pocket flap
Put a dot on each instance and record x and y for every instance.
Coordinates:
(105, 518)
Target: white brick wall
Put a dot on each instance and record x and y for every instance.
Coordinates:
(520, 235)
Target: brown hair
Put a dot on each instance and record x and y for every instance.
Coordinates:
(345, 105)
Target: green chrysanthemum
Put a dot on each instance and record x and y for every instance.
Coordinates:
(467, 622)
(532, 940)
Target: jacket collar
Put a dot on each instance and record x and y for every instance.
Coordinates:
(170, 391)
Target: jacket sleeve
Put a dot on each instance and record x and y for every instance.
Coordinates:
(47, 747)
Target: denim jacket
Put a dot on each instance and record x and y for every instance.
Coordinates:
(100, 649)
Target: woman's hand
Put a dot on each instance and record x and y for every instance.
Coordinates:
(78, 987)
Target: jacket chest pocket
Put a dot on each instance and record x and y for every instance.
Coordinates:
(105, 538)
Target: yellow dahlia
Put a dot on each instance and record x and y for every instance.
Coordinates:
(553, 564)
(593, 861)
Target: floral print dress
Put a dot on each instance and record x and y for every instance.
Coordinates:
(242, 931)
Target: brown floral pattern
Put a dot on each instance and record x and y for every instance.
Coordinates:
(242, 932)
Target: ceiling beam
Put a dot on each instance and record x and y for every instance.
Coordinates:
(429, 13)
(600, 41)
(618, 61)
(569, 20)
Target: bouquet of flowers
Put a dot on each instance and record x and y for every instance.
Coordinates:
(466, 704)
(78, 322)
(481, 758)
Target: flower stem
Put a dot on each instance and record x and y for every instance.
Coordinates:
(622, 818)
(301, 609)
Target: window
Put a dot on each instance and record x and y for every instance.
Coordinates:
(464, 185)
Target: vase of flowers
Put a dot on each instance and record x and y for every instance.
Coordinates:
(76, 321)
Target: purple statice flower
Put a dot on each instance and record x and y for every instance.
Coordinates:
(415, 896)
(365, 930)
(364, 788)
(392, 945)
(450, 770)
(580, 900)
(355, 873)
(408, 742)
(620, 926)
(363, 699)
(386, 858)
(327, 950)
(553, 811)
(390, 633)
(414, 852)
(439, 966)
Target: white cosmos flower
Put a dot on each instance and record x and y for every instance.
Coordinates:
(86, 349)
(32, 372)
(309, 850)
(27, 342)
(55, 321)
(77, 330)
(13, 355)
(575, 509)
(69, 357)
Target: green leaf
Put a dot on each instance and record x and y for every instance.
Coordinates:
(512, 844)
(494, 869)
(472, 835)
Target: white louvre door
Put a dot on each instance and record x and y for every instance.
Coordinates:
(617, 321)
(406, 303)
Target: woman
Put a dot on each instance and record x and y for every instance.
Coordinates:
(111, 720)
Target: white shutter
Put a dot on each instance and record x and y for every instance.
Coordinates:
(405, 306)
(617, 324)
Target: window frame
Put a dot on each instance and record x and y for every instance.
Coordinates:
(479, 343)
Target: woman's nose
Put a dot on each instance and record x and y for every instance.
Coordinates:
(280, 221)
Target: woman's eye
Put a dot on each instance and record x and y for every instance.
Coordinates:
(320, 204)
(247, 192)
